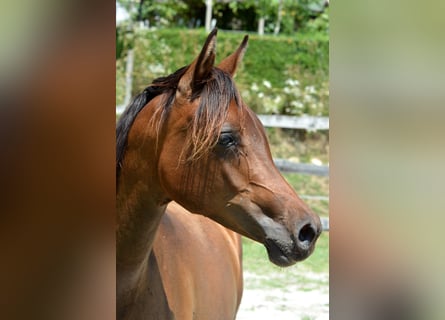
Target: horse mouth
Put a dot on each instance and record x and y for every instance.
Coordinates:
(283, 255)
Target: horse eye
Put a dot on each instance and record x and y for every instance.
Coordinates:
(227, 139)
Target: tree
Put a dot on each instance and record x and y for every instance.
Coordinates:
(279, 14)
(263, 9)
(154, 12)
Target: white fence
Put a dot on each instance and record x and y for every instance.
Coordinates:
(291, 122)
(289, 166)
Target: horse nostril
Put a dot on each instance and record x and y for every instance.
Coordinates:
(307, 234)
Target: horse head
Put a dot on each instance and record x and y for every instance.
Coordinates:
(213, 158)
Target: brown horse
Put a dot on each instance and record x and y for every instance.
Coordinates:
(189, 138)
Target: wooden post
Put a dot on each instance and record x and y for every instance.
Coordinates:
(129, 76)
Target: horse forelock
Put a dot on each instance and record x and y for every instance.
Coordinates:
(214, 95)
(205, 128)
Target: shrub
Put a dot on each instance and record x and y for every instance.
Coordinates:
(279, 74)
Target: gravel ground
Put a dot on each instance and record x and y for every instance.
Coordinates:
(309, 301)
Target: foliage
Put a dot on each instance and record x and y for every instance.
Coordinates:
(284, 75)
(124, 39)
(319, 24)
(293, 99)
(156, 13)
(295, 14)
(230, 14)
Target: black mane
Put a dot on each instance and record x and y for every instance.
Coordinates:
(127, 118)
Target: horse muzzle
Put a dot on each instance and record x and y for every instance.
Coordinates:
(287, 241)
(285, 251)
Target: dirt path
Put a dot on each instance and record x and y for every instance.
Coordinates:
(287, 302)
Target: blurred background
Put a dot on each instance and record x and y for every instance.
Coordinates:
(284, 77)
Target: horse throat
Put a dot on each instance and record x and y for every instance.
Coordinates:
(140, 206)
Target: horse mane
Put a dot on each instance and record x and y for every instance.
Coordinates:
(127, 118)
(205, 127)
(215, 94)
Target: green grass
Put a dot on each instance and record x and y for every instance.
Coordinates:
(256, 261)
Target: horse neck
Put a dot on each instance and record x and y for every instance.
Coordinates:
(140, 201)
(138, 219)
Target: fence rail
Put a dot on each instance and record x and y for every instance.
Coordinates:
(289, 166)
(291, 122)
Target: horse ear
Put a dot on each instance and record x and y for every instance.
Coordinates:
(230, 63)
(200, 69)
